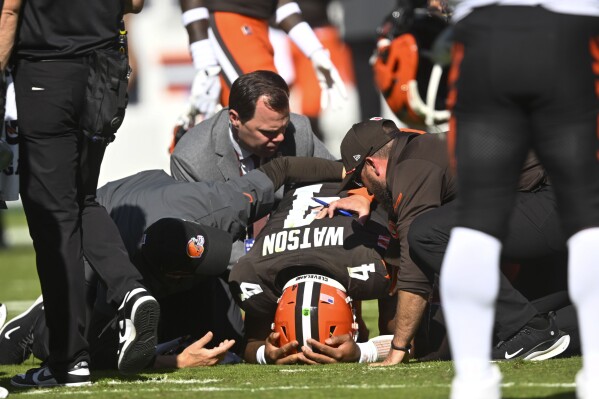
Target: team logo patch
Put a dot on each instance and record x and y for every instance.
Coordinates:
(376, 118)
(195, 246)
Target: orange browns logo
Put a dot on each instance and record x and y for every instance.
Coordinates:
(195, 246)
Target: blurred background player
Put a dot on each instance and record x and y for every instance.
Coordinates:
(506, 102)
(408, 66)
(325, 18)
(230, 37)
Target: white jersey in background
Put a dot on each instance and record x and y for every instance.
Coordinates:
(576, 7)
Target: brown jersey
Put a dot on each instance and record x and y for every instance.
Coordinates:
(294, 243)
(420, 179)
(262, 9)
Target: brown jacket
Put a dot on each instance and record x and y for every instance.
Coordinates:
(420, 179)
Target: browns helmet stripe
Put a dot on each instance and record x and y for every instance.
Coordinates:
(299, 304)
(306, 312)
(314, 304)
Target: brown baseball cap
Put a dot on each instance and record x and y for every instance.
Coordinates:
(361, 141)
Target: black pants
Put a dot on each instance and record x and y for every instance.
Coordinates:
(533, 232)
(59, 169)
(512, 96)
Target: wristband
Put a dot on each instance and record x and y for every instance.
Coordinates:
(401, 348)
(305, 38)
(195, 14)
(287, 10)
(368, 352)
(260, 358)
(202, 54)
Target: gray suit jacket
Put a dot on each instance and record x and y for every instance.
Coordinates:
(205, 153)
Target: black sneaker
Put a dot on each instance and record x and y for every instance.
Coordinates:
(138, 324)
(42, 377)
(532, 344)
(16, 337)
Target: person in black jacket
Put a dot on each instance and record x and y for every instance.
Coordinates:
(59, 169)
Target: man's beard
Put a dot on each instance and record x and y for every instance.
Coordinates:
(382, 194)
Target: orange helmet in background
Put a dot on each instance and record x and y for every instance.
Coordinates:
(408, 70)
(313, 306)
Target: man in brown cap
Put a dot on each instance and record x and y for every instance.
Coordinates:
(408, 172)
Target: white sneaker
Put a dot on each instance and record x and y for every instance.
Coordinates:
(585, 387)
(489, 388)
(138, 324)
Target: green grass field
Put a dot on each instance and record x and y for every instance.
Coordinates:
(19, 287)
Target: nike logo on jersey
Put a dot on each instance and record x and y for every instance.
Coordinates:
(12, 330)
(291, 240)
(509, 356)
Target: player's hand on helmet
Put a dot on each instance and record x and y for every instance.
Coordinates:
(197, 355)
(280, 355)
(333, 90)
(205, 90)
(337, 349)
(353, 203)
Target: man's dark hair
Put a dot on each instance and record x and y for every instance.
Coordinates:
(248, 88)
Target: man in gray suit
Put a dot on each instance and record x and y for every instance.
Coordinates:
(256, 127)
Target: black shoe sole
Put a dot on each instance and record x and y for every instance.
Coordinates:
(140, 352)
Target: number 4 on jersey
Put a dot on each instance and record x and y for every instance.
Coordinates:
(361, 272)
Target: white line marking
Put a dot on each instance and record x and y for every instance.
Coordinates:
(74, 391)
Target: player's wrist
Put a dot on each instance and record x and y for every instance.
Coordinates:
(195, 14)
(287, 10)
(260, 355)
(202, 54)
(403, 348)
(368, 352)
(305, 38)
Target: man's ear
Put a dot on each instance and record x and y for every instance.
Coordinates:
(234, 118)
(374, 164)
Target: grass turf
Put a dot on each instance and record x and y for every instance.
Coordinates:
(19, 287)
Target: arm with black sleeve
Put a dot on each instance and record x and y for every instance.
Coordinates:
(287, 170)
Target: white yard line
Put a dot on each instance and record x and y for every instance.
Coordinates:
(263, 389)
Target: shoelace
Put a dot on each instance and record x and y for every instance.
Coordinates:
(523, 331)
